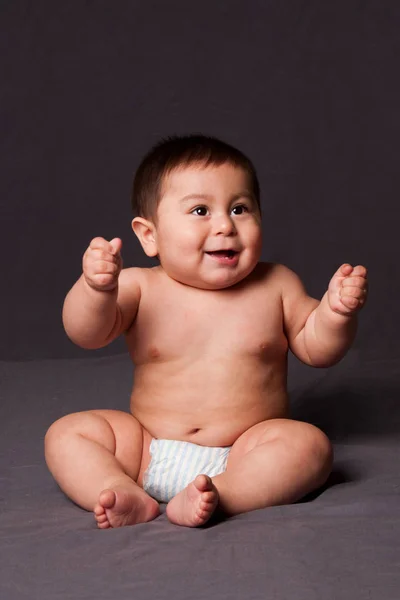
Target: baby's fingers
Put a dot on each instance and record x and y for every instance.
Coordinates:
(101, 255)
(104, 280)
(351, 302)
(113, 247)
(352, 291)
(102, 263)
(104, 266)
(359, 271)
(100, 243)
(358, 282)
(116, 245)
(353, 298)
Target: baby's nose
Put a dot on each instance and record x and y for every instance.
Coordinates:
(223, 224)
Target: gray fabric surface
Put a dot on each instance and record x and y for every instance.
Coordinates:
(343, 542)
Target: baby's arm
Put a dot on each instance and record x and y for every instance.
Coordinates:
(103, 302)
(320, 333)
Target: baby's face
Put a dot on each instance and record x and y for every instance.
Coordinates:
(208, 231)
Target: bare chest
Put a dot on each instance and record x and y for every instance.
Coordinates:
(173, 322)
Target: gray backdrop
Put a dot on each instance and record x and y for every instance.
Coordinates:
(309, 90)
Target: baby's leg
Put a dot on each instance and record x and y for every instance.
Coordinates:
(96, 457)
(275, 462)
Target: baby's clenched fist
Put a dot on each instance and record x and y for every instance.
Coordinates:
(348, 289)
(102, 263)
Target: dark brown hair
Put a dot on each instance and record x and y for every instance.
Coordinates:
(182, 151)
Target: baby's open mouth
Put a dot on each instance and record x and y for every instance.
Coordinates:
(228, 258)
(227, 253)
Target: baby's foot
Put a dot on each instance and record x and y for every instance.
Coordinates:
(124, 505)
(194, 505)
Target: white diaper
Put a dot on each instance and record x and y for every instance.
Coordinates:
(174, 464)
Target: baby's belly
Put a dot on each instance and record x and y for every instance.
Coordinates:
(208, 432)
(209, 412)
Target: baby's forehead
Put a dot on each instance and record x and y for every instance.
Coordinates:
(190, 174)
(204, 167)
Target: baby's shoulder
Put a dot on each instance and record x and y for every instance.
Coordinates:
(272, 272)
(138, 277)
(278, 278)
(139, 272)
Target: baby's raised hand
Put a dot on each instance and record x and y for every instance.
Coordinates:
(102, 263)
(348, 288)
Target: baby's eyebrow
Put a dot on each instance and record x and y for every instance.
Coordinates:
(195, 197)
(244, 194)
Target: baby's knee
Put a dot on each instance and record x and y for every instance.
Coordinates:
(318, 452)
(84, 424)
(57, 433)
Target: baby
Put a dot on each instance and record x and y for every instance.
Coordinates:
(208, 330)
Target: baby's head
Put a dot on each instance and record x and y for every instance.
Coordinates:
(211, 240)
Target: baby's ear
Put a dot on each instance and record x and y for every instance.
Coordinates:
(146, 233)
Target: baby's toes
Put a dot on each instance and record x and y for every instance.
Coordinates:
(103, 522)
(202, 514)
(101, 517)
(99, 510)
(105, 525)
(208, 497)
(208, 503)
(205, 505)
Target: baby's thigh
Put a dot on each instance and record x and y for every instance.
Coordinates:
(116, 431)
(304, 441)
(132, 441)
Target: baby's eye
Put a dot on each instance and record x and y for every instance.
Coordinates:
(239, 209)
(201, 211)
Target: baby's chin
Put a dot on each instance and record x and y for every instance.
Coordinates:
(211, 281)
